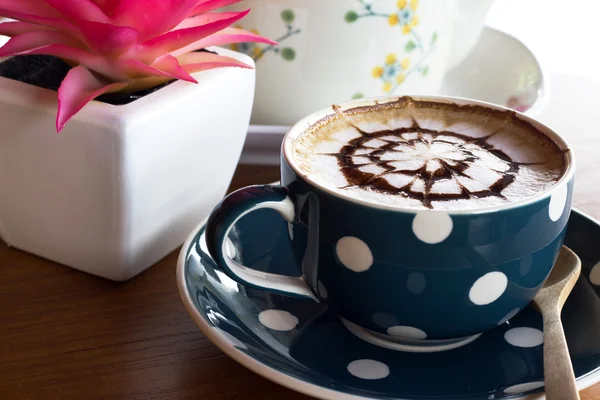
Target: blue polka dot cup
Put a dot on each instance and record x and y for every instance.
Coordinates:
(410, 278)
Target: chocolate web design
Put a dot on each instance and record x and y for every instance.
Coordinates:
(427, 165)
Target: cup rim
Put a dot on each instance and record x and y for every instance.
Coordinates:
(307, 122)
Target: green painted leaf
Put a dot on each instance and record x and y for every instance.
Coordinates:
(425, 70)
(351, 16)
(434, 37)
(288, 16)
(357, 96)
(288, 53)
(410, 46)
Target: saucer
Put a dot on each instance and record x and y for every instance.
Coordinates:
(300, 345)
(500, 70)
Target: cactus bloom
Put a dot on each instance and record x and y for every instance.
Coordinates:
(121, 45)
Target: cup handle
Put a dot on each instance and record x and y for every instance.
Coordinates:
(231, 210)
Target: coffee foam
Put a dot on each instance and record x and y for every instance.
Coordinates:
(422, 154)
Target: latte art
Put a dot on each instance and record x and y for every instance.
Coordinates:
(429, 155)
(425, 164)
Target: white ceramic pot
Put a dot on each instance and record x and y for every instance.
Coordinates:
(121, 186)
(334, 50)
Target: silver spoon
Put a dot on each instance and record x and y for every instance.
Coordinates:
(559, 378)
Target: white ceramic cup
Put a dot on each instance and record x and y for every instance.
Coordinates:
(334, 50)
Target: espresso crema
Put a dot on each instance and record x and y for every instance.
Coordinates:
(429, 155)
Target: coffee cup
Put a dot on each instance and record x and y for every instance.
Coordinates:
(334, 50)
(420, 221)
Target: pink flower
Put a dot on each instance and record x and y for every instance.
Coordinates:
(121, 45)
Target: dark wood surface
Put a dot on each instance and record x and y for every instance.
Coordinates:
(68, 335)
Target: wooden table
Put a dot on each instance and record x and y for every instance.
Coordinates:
(68, 335)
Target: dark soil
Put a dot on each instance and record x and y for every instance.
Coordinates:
(48, 72)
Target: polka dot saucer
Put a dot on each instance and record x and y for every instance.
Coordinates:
(300, 345)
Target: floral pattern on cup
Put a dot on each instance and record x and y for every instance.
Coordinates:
(394, 71)
(406, 16)
(257, 51)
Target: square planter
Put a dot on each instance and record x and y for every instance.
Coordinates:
(121, 186)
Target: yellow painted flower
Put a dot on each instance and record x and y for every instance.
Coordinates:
(405, 63)
(400, 78)
(255, 31)
(255, 51)
(391, 59)
(377, 72)
(387, 87)
(406, 16)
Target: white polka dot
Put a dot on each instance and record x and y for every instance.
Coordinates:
(558, 201)
(291, 230)
(432, 227)
(523, 387)
(407, 332)
(384, 320)
(595, 275)
(524, 337)
(278, 320)
(416, 283)
(488, 288)
(232, 339)
(368, 369)
(322, 289)
(509, 316)
(354, 254)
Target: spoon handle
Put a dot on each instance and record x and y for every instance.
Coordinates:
(559, 378)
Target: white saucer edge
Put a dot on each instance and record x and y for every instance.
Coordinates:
(281, 378)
